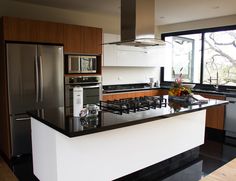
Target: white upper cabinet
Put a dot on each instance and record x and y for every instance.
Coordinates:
(128, 56)
(131, 56)
(109, 51)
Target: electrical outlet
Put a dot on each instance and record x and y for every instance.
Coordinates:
(119, 78)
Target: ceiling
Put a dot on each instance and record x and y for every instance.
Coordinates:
(167, 11)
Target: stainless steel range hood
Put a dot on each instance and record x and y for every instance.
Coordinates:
(138, 23)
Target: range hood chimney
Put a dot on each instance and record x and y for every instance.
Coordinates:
(138, 23)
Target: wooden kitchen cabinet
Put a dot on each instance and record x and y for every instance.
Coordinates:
(162, 92)
(76, 39)
(17, 29)
(83, 40)
(132, 94)
(215, 116)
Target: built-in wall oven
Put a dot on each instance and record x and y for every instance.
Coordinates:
(92, 90)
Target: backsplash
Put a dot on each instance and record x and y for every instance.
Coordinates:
(129, 75)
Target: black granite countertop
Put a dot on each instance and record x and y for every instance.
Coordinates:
(120, 89)
(74, 126)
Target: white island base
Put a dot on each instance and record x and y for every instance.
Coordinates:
(112, 154)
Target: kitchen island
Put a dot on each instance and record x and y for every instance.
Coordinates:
(112, 145)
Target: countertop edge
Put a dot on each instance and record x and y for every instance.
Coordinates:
(120, 125)
(166, 88)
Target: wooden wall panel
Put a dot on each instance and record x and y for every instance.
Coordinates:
(5, 146)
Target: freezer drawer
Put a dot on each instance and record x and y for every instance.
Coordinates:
(20, 135)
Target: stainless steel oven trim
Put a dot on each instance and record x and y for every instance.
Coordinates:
(67, 80)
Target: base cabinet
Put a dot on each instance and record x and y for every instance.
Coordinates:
(215, 116)
(133, 94)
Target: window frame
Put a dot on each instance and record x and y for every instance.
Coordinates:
(202, 32)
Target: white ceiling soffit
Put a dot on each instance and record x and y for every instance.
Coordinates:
(109, 7)
(176, 11)
(167, 11)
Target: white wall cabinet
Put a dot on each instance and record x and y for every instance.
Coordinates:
(128, 56)
(110, 51)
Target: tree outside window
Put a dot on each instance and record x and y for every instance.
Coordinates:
(220, 57)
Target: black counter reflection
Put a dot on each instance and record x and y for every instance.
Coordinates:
(75, 124)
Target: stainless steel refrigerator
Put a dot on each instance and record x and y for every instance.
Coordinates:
(35, 80)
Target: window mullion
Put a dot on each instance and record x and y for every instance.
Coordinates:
(202, 59)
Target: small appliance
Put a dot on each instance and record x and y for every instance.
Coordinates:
(81, 64)
(77, 101)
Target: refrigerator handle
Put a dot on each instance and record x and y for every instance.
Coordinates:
(36, 79)
(23, 119)
(41, 78)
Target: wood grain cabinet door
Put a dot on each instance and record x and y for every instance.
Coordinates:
(16, 29)
(49, 32)
(215, 116)
(92, 40)
(83, 40)
(72, 38)
(131, 94)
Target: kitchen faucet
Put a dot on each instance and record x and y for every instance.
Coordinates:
(217, 81)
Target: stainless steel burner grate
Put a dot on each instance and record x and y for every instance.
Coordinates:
(133, 104)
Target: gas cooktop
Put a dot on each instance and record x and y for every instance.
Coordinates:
(133, 104)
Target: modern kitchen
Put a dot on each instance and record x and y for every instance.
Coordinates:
(117, 90)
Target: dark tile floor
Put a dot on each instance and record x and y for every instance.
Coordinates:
(213, 154)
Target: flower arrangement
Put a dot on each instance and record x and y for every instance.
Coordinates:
(178, 89)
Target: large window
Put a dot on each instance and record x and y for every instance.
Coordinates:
(185, 55)
(206, 56)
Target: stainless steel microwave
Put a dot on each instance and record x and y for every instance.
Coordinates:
(82, 64)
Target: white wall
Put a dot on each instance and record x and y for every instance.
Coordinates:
(126, 75)
(198, 24)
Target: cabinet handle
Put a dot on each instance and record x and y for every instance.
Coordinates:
(41, 78)
(36, 79)
(23, 119)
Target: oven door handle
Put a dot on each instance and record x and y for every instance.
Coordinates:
(91, 87)
(87, 87)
